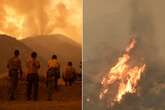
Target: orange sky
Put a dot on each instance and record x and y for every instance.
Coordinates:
(20, 18)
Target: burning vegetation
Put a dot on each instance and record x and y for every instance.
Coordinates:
(122, 78)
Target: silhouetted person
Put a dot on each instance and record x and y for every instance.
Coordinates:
(52, 75)
(69, 74)
(54, 61)
(15, 70)
(33, 66)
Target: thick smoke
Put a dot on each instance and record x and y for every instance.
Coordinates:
(40, 17)
(151, 87)
(109, 24)
(143, 26)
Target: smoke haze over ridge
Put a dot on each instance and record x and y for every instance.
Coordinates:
(40, 17)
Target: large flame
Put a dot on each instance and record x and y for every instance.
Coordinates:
(13, 24)
(122, 78)
(21, 18)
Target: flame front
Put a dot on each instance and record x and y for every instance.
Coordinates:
(122, 78)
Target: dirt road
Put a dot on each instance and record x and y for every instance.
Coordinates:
(65, 98)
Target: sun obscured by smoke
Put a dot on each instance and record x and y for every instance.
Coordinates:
(21, 18)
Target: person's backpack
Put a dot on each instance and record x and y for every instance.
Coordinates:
(50, 73)
(53, 64)
(57, 74)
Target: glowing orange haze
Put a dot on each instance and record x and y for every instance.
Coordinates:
(122, 78)
(22, 18)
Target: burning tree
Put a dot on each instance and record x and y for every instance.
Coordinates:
(122, 78)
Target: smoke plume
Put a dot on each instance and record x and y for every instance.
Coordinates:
(21, 18)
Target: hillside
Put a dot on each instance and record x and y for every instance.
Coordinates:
(7, 47)
(65, 48)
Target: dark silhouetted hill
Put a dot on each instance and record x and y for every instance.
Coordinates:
(65, 48)
(7, 46)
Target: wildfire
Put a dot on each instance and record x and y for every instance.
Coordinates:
(122, 78)
(41, 17)
(12, 19)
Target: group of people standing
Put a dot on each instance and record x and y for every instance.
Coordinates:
(32, 75)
